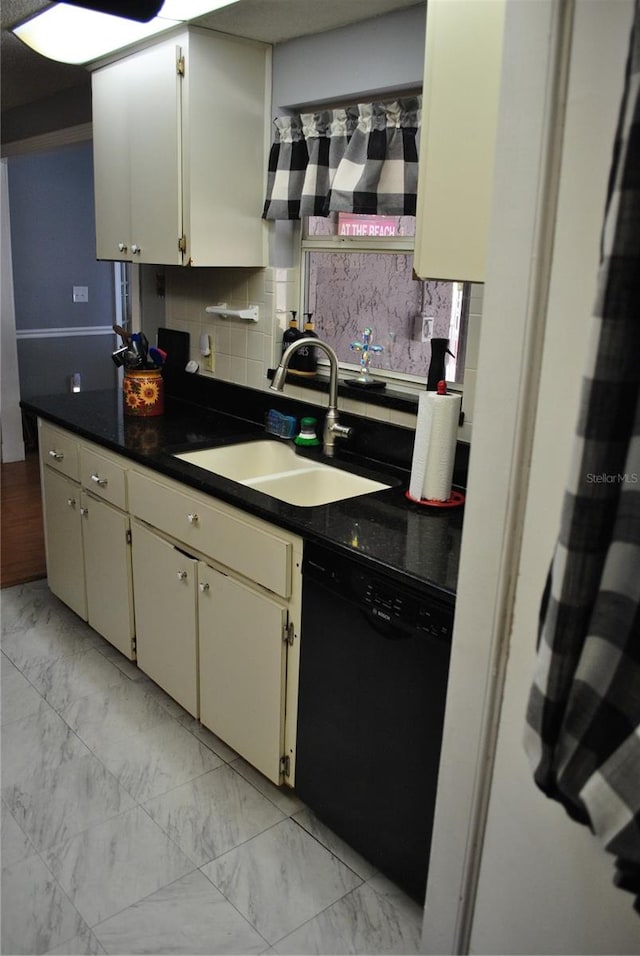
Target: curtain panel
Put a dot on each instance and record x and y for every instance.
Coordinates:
(582, 734)
(359, 159)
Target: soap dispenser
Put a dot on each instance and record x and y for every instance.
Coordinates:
(292, 334)
(308, 361)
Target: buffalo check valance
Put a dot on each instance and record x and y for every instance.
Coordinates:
(583, 719)
(360, 159)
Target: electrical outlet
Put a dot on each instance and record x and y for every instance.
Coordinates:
(81, 293)
(427, 327)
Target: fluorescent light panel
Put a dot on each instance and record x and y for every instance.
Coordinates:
(73, 34)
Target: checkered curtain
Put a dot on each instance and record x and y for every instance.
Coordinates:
(362, 159)
(583, 718)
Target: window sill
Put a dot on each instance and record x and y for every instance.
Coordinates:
(387, 397)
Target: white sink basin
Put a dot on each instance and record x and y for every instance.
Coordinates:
(276, 470)
(315, 486)
(252, 459)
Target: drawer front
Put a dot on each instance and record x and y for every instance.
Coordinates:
(59, 450)
(103, 477)
(218, 531)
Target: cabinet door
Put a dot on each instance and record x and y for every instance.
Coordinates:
(225, 143)
(111, 160)
(463, 62)
(107, 553)
(242, 669)
(153, 101)
(137, 157)
(63, 540)
(166, 626)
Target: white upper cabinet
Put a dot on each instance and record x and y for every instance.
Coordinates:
(463, 63)
(180, 147)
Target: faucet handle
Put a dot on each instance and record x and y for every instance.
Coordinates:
(340, 431)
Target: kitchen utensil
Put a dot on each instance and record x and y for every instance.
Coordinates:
(118, 355)
(124, 335)
(136, 348)
(157, 356)
(131, 359)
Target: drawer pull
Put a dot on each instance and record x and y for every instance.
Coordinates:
(58, 455)
(182, 575)
(192, 517)
(204, 586)
(102, 482)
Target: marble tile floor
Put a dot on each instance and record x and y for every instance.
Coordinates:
(127, 827)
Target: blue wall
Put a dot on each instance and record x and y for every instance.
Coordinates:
(53, 249)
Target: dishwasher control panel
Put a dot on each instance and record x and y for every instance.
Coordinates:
(394, 606)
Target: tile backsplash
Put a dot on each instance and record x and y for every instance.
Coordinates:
(244, 350)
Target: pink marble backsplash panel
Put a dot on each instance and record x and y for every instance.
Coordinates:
(348, 291)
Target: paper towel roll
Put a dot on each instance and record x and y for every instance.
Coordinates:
(435, 446)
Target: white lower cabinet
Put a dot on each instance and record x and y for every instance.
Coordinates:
(107, 562)
(243, 658)
(218, 599)
(206, 597)
(86, 531)
(165, 581)
(63, 540)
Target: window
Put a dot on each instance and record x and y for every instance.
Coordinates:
(358, 272)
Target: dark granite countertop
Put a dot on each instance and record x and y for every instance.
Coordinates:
(384, 529)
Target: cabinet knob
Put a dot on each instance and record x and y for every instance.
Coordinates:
(122, 246)
(135, 249)
(204, 586)
(71, 502)
(99, 481)
(84, 511)
(56, 454)
(182, 575)
(192, 518)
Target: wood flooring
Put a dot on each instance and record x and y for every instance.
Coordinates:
(22, 555)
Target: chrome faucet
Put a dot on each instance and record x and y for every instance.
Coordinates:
(332, 428)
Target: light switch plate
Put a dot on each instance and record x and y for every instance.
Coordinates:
(81, 293)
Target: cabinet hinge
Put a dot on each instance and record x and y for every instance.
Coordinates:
(180, 66)
(128, 535)
(285, 765)
(134, 646)
(288, 633)
(182, 243)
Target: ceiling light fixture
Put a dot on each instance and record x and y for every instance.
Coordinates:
(73, 34)
(129, 9)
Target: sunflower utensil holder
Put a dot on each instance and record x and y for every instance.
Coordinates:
(143, 392)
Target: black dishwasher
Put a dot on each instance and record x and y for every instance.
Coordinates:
(373, 681)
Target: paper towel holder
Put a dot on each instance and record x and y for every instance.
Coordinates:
(455, 499)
